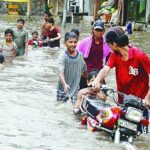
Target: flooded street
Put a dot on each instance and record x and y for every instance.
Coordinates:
(30, 118)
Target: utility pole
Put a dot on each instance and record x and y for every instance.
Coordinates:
(28, 8)
(64, 13)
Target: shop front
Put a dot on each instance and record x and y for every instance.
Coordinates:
(13, 8)
(135, 10)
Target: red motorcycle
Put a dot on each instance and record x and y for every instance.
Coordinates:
(123, 121)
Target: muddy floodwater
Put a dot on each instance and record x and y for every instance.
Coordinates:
(30, 118)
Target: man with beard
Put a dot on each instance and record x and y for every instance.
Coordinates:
(132, 67)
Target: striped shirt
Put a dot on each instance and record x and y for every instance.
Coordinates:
(72, 67)
(9, 51)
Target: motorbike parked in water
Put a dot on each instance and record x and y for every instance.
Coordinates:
(122, 122)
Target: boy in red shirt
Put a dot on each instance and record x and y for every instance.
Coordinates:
(54, 35)
(132, 66)
(35, 41)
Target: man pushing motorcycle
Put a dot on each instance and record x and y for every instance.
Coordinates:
(132, 68)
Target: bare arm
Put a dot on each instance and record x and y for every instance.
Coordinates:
(56, 38)
(26, 43)
(14, 50)
(62, 80)
(42, 28)
(26, 49)
(101, 76)
(15, 53)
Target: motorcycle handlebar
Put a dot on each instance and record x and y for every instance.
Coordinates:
(127, 99)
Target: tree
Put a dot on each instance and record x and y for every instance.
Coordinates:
(96, 8)
(46, 6)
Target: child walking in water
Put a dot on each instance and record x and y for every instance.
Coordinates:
(21, 37)
(71, 66)
(88, 92)
(53, 35)
(8, 48)
(45, 28)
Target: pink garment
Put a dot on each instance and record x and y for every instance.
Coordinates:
(85, 45)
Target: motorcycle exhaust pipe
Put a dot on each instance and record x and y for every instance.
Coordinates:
(104, 129)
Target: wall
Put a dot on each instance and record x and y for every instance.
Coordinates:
(148, 12)
(88, 7)
(60, 6)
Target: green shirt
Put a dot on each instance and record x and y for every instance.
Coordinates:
(20, 38)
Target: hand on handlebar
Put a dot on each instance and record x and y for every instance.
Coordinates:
(96, 84)
(147, 103)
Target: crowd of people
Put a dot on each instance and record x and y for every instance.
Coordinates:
(16, 41)
(102, 53)
(86, 61)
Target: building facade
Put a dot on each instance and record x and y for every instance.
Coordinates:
(137, 10)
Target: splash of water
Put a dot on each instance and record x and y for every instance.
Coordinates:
(129, 146)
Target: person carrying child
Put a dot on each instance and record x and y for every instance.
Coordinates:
(35, 41)
(54, 35)
(88, 92)
(71, 66)
(45, 27)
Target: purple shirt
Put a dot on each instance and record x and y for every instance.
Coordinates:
(90, 50)
(94, 61)
(84, 47)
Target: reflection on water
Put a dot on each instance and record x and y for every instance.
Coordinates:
(30, 118)
(142, 40)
